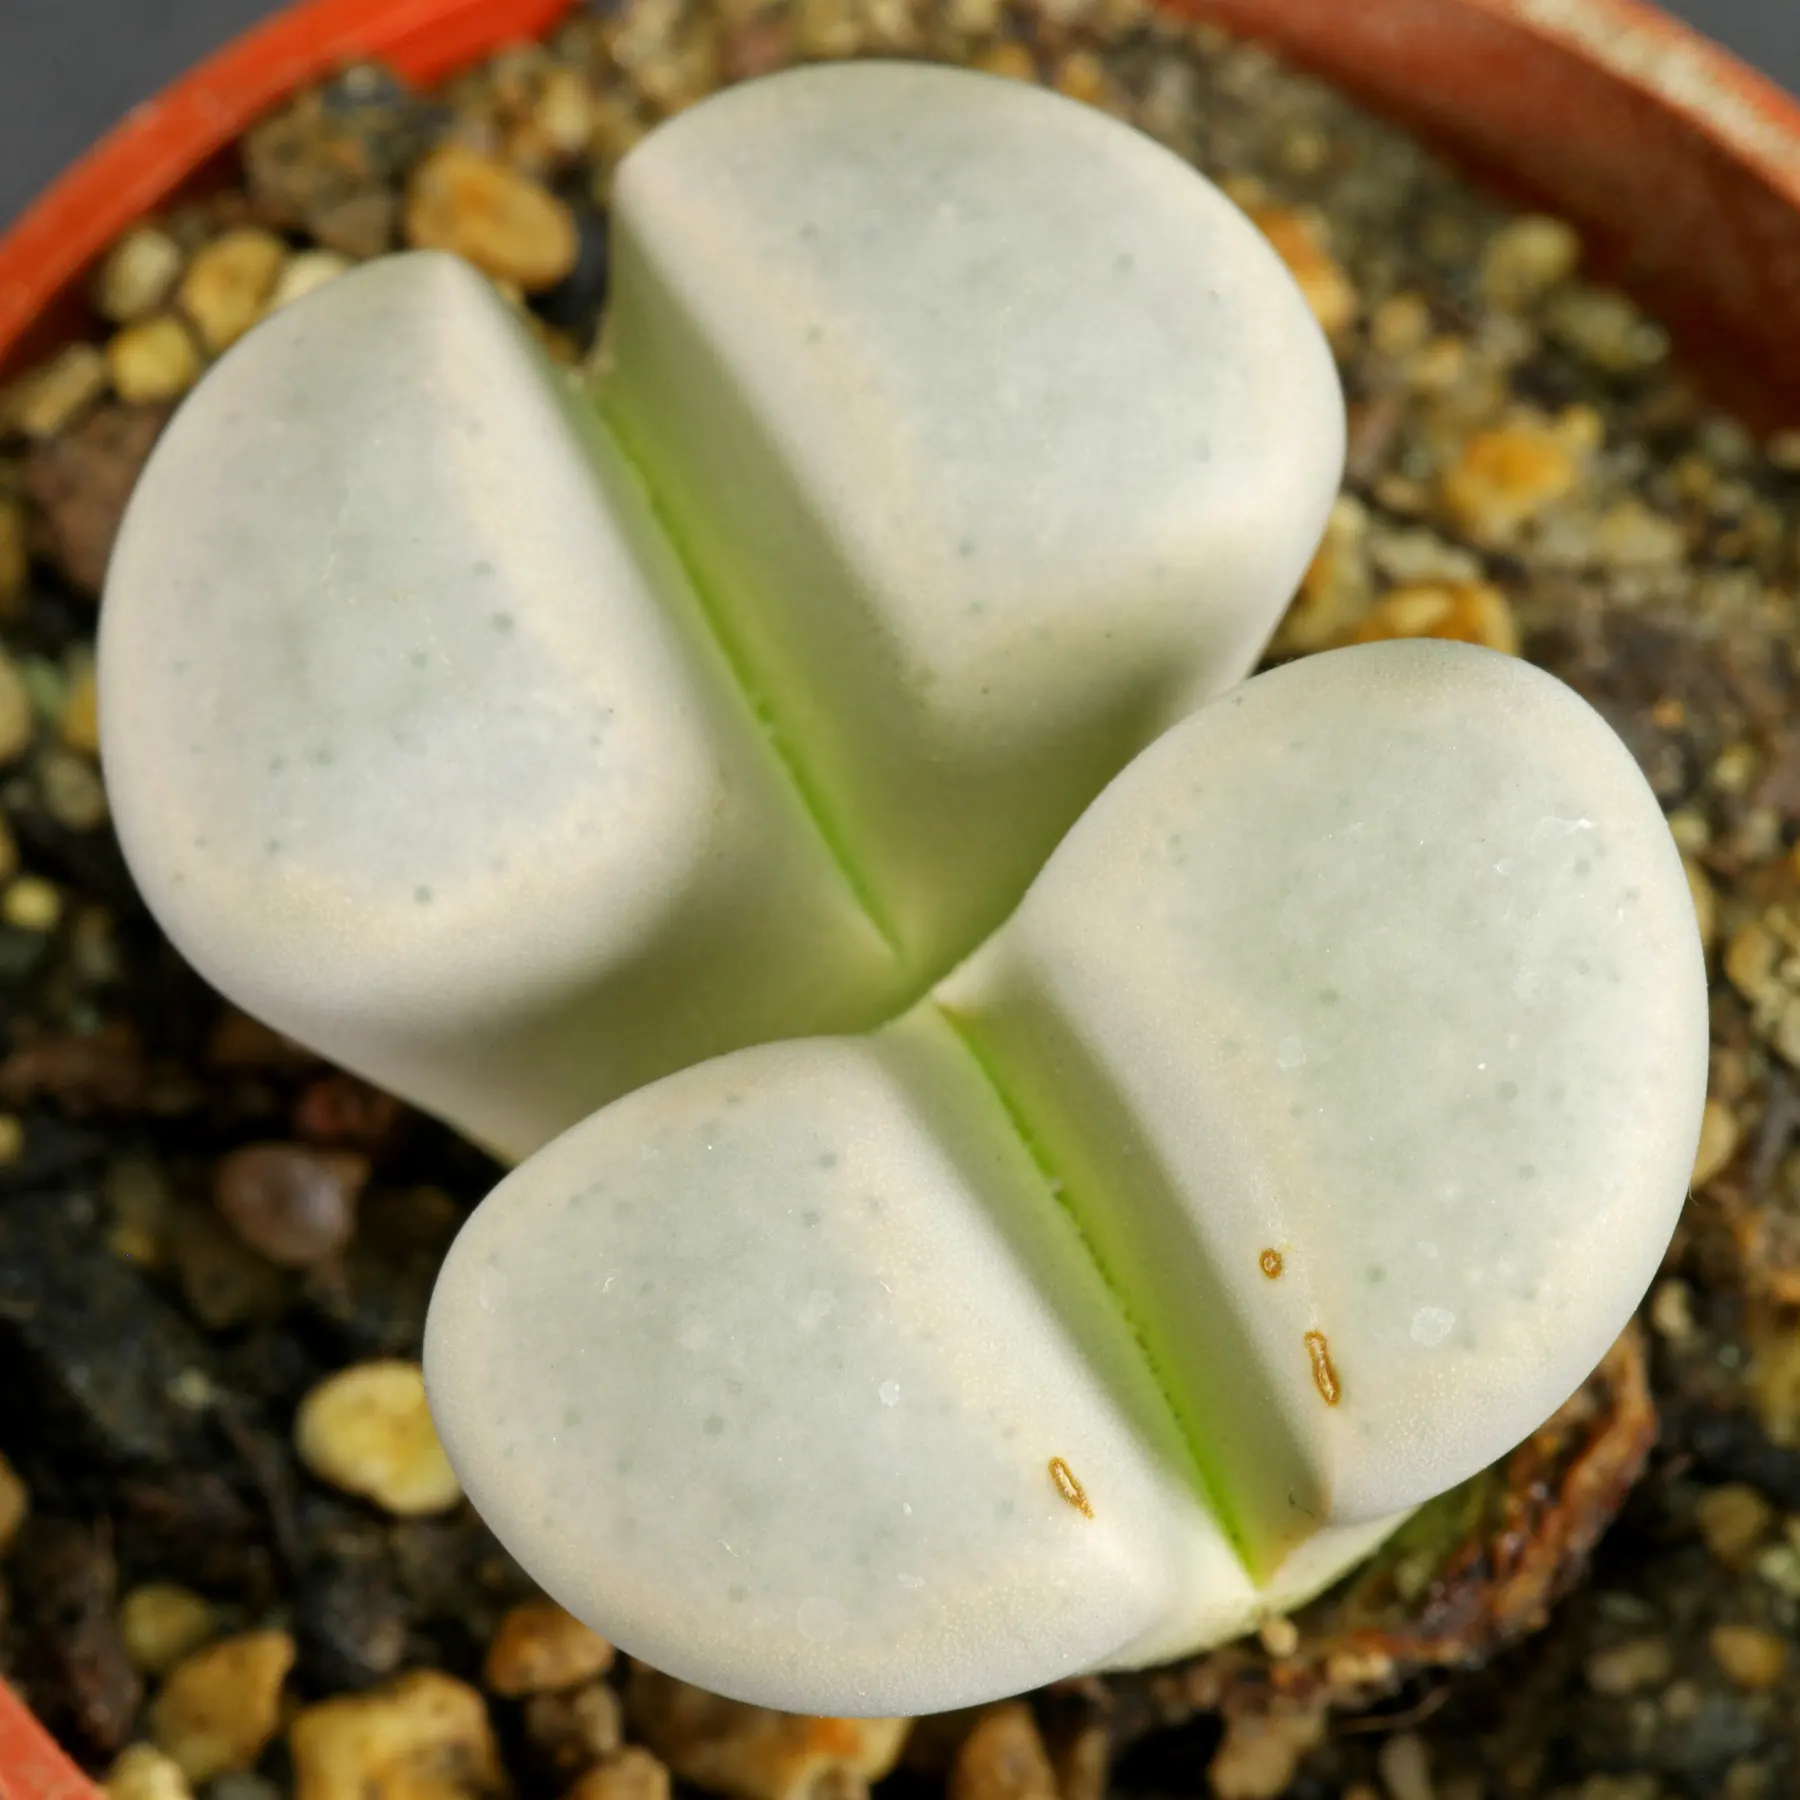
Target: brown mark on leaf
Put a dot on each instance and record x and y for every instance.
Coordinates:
(1270, 1263)
(1070, 1489)
(1325, 1377)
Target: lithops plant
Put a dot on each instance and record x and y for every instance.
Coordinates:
(1063, 1150)
(954, 440)
(1296, 1148)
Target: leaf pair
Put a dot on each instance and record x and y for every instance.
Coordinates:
(1298, 1141)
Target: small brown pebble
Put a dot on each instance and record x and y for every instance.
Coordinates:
(15, 1502)
(1706, 905)
(822, 28)
(1751, 958)
(1688, 825)
(1774, 1372)
(502, 222)
(1526, 258)
(1262, 1750)
(1419, 557)
(1750, 1778)
(538, 1649)
(229, 283)
(340, 1110)
(138, 275)
(1506, 478)
(1734, 768)
(1762, 963)
(368, 1431)
(1003, 1758)
(1008, 58)
(18, 718)
(1354, 1667)
(359, 225)
(160, 1623)
(1404, 1765)
(49, 399)
(1672, 1311)
(1606, 329)
(31, 904)
(1779, 1566)
(74, 795)
(306, 274)
(143, 1772)
(79, 722)
(423, 1736)
(15, 563)
(633, 1774)
(1337, 587)
(1082, 76)
(564, 109)
(1299, 240)
(1735, 1521)
(575, 1729)
(153, 360)
(756, 46)
(1630, 1667)
(1719, 1137)
(1681, 1700)
(1466, 612)
(81, 482)
(289, 1202)
(1751, 1658)
(751, 1752)
(1083, 1762)
(1400, 325)
(221, 1705)
(1631, 536)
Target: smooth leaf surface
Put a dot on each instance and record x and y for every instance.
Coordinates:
(514, 747)
(1297, 1148)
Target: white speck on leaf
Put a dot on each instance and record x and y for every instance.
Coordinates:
(1431, 1325)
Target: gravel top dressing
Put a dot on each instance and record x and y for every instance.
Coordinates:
(234, 1561)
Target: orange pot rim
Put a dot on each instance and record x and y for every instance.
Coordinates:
(32, 1767)
(45, 256)
(163, 143)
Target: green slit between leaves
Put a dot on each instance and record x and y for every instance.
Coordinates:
(1206, 1478)
(754, 695)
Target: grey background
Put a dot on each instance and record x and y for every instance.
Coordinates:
(69, 68)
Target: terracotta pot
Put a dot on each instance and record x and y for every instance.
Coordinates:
(31, 1766)
(1681, 165)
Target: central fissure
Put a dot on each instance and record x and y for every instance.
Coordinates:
(755, 695)
(1058, 1193)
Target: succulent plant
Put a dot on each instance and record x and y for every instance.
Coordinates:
(1297, 1147)
(1058, 1152)
(954, 441)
